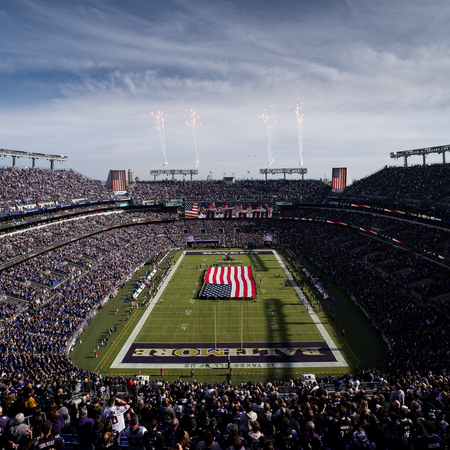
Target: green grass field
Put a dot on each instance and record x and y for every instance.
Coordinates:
(278, 315)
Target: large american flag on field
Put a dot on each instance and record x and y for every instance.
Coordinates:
(339, 178)
(191, 210)
(229, 282)
(118, 181)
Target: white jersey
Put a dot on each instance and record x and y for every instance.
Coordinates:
(114, 414)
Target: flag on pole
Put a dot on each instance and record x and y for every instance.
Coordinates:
(229, 282)
(118, 181)
(339, 178)
(191, 210)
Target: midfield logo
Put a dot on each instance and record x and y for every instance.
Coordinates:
(187, 352)
(251, 352)
(235, 253)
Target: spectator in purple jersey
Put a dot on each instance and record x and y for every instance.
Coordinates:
(55, 418)
(235, 415)
(219, 414)
(171, 432)
(309, 439)
(286, 438)
(429, 440)
(442, 426)
(208, 443)
(47, 440)
(4, 420)
(84, 427)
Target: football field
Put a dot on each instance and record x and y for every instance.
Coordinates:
(178, 330)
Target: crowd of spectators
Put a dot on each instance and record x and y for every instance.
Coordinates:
(384, 278)
(33, 238)
(45, 300)
(425, 184)
(421, 237)
(32, 186)
(8, 309)
(48, 273)
(21, 188)
(36, 338)
(415, 326)
(216, 191)
(405, 412)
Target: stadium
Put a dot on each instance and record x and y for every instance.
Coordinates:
(211, 234)
(348, 284)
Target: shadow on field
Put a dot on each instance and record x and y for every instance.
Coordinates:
(276, 325)
(258, 262)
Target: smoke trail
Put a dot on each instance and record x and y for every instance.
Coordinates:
(299, 114)
(194, 126)
(158, 118)
(268, 122)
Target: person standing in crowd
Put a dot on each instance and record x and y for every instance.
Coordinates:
(47, 440)
(135, 434)
(115, 414)
(167, 413)
(18, 435)
(84, 427)
(153, 439)
(429, 440)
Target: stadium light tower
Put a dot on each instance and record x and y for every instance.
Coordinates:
(33, 156)
(174, 172)
(290, 171)
(421, 152)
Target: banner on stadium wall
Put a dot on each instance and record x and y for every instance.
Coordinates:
(197, 210)
(173, 204)
(284, 203)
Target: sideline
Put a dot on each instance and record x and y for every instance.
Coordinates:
(137, 329)
(340, 361)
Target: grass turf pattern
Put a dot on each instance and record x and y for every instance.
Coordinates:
(278, 315)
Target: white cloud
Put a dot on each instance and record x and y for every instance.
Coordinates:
(81, 79)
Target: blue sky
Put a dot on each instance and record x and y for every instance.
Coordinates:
(81, 78)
